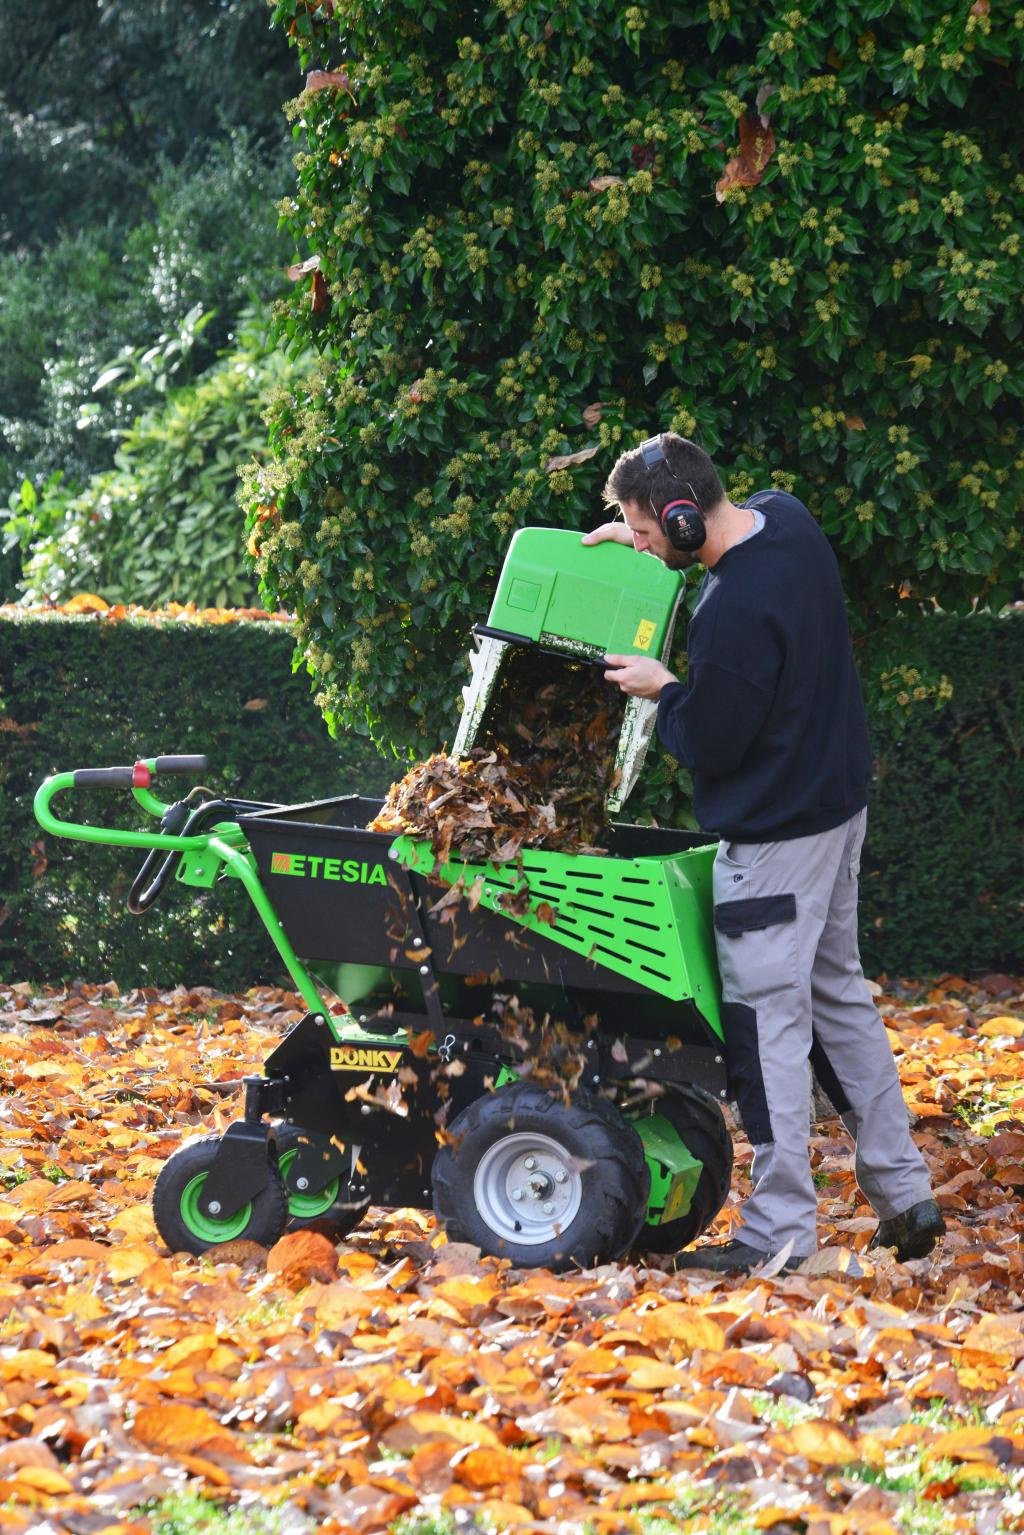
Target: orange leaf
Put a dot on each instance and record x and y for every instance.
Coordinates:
(678, 1323)
(820, 1442)
(301, 1256)
(1010, 1028)
(176, 1429)
(437, 1425)
(85, 602)
(490, 1468)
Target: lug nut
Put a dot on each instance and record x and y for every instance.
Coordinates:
(214, 1206)
(561, 1176)
(517, 1194)
(549, 1209)
(530, 1164)
(302, 1183)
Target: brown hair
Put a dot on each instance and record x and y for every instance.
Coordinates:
(684, 468)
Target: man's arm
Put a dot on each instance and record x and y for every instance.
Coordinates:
(610, 532)
(710, 724)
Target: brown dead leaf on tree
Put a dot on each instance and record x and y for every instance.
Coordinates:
(745, 169)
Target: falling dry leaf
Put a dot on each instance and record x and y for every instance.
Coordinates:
(563, 460)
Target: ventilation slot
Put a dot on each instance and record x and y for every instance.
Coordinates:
(646, 948)
(623, 959)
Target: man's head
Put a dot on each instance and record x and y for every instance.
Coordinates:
(641, 493)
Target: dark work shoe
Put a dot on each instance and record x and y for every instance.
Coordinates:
(914, 1233)
(729, 1258)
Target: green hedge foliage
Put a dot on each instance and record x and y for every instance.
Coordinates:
(942, 880)
(537, 233)
(941, 886)
(81, 692)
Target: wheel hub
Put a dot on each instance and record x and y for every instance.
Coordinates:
(528, 1188)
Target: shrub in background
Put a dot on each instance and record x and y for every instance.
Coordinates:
(163, 524)
(204, 241)
(536, 234)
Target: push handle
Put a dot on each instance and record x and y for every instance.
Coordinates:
(104, 778)
(137, 776)
(181, 764)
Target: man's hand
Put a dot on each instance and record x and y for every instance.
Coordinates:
(610, 532)
(640, 676)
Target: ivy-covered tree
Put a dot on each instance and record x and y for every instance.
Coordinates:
(535, 233)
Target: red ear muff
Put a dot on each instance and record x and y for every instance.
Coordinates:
(683, 525)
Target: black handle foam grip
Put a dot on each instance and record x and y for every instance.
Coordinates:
(104, 778)
(182, 764)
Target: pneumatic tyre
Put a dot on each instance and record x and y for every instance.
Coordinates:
(542, 1182)
(700, 1124)
(330, 1209)
(186, 1229)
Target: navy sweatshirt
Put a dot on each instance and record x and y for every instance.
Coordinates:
(770, 720)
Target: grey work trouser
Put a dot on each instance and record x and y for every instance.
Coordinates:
(793, 988)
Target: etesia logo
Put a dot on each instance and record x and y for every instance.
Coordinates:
(311, 866)
(349, 1058)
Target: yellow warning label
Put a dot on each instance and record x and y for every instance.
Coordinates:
(644, 634)
(348, 1058)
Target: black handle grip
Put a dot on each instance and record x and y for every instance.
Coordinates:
(182, 764)
(104, 778)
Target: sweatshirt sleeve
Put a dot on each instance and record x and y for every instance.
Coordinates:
(709, 722)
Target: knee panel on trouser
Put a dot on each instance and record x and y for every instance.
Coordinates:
(756, 940)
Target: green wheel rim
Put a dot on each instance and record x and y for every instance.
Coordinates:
(307, 1206)
(205, 1227)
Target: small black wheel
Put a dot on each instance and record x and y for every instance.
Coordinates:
(187, 1229)
(700, 1125)
(542, 1182)
(331, 1209)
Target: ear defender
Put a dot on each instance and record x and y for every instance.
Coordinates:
(682, 522)
(683, 525)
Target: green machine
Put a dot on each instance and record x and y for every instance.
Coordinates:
(543, 1064)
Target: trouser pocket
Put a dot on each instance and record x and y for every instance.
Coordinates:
(757, 948)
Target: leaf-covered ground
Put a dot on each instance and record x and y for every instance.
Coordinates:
(396, 1380)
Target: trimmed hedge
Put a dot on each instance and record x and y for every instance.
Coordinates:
(941, 879)
(81, 692)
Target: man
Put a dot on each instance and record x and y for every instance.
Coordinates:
(771, 724)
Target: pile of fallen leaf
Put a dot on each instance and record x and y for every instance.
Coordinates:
(538, 778)
(395, 1374)
(89, 605)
